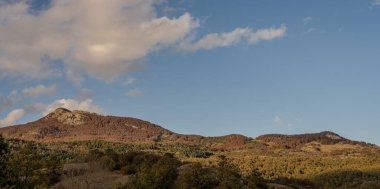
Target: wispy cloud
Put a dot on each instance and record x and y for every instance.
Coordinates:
(277, 120)
(216, 40)
(34, 108)
(129, 81)
(12, 117)
(9, 100)
(39, 90)
(134, 92)
(307, 20)
(375, 3)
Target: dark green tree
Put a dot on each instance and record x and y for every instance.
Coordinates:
(4, 150)
(160, 175)
(194, 176)
(227, 175)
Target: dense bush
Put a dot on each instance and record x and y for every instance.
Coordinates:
(4, 150)
(32, 165)
(193, 176)
(349, 179)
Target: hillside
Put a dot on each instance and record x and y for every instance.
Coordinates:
(96, 151)
(64, 125)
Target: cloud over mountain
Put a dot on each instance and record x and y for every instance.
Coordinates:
(102, 39)
(71, 104)
(12, 117)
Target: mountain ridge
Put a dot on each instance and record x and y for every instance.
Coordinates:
(65, 125)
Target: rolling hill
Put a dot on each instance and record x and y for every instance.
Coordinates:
(66, 126)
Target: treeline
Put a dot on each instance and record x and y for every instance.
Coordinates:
(149, 166)
(293, 141)
(315, 172)
(151, 171)
(30, 165)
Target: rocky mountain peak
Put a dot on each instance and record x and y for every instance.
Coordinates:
(68, 117)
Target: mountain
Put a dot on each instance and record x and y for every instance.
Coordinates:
(293, 141)
(65, 125)
(76, 149)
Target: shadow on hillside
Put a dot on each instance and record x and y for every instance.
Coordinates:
(343, 179)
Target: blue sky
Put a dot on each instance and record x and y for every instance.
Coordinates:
(200, 67)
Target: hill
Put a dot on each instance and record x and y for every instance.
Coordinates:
(63, 125)
(77, 149)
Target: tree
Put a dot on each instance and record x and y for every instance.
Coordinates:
(4, 150)
(227, 175)
(194, 176)
(161, 174)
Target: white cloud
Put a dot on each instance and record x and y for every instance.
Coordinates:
(134, 92)
(129, 81)
(310, 30)
(39, 90)
(307, 20)
(12, 117)
(101, 38)
(277, 120)
(71, 104)
(215, 40)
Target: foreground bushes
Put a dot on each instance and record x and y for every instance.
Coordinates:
(167, 172)
(27, 167)
(33, 165)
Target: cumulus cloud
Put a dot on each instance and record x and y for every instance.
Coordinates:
(215, 40)
(12, 117)
(277, 120)
(39, 90)
(71, 104)
(134, 92)
(101, 38)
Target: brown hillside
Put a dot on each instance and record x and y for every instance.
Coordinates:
(65, 125)
(293, 141)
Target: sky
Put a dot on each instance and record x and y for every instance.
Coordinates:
(208, 67)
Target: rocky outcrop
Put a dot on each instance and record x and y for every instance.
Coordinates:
(68, 117)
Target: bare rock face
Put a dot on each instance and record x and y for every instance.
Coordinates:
(68, 117)
(333, 136)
